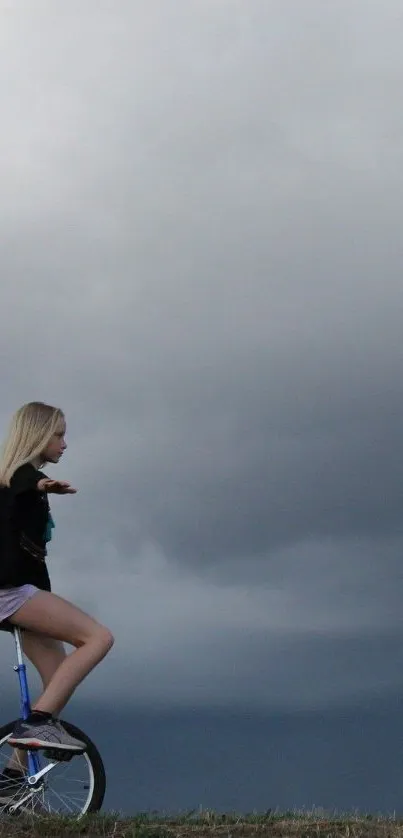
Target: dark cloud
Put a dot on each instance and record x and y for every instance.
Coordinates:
(201, 263)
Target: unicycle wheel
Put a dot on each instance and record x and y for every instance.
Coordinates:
(74, 785)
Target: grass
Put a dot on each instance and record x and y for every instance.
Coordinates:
(208, 824)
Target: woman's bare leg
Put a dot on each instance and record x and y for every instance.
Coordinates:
(46, 654)
(50, 615)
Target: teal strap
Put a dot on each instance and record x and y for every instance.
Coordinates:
(49, 527)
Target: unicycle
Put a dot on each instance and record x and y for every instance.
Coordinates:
(51, 781)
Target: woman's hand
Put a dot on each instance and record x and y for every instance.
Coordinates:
(56, 487)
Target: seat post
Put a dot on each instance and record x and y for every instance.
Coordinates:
(25, 702)
(18, 644)
(21, 670)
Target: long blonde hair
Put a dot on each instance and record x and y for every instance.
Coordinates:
(31, 428)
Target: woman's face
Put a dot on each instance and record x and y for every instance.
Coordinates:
(56, 445)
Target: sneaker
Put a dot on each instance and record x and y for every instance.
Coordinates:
(12, 783)
(42, 731)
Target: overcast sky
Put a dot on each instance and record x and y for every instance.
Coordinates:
(201, 254)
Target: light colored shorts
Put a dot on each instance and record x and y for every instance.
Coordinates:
(11, 599)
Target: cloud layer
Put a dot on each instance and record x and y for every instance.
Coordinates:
(201, 251)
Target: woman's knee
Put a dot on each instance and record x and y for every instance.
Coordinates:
(105, 638)
(98, 635)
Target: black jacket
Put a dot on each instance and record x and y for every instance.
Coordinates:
(24, 514)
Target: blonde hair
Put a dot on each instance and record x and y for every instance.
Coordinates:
(31, 429)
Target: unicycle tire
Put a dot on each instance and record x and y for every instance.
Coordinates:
(96, 770)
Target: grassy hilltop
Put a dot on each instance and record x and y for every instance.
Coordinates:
(208, 825)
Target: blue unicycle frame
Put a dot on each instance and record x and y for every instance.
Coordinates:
(25, 701)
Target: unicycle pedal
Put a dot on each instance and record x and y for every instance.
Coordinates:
(60, 754)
